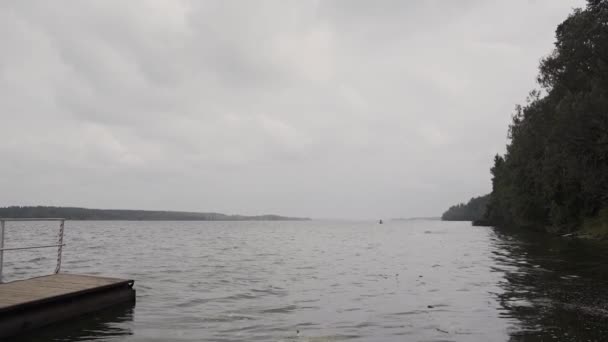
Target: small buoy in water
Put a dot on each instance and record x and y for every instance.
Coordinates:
(380, 222)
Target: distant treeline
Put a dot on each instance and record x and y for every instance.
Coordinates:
(554, 174)
(474, 210)
(129, 215)
(429, 218)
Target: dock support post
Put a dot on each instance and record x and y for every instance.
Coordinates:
(60, 247)
(1, 248)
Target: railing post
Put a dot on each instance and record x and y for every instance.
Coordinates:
(1, 248)
(60, 247)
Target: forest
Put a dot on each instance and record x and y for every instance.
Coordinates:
(127, 215)
(474, 210)
(554, 174)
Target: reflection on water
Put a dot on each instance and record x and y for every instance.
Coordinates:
(111, 324)
(330, 281)
(554, 287)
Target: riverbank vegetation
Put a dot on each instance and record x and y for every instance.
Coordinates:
(554, 174)
(474, 210)
(129, 215)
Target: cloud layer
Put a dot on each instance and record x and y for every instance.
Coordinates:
(312, 108)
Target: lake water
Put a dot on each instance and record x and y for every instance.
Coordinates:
(331, 281)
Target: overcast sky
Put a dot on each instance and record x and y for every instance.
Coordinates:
(345, 109)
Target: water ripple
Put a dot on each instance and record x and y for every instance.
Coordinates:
(328, 281)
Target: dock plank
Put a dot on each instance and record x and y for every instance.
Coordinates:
(68, 282)
(75, 279)
(31, 303)
(22, 292)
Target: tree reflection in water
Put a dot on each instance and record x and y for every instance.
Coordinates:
(554, 289)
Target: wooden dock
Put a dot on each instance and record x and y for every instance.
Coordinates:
(36, 302)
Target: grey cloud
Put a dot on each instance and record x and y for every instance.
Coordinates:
(311, 108)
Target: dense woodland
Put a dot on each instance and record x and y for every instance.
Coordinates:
(474, 210)
(127, 215)
(554, 174)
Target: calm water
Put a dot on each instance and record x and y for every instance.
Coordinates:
(332, 281)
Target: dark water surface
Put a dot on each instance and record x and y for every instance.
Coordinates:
(332, 281)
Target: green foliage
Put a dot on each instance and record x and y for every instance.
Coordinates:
(596, 227)
(474, 210)
(127, 215)
(554, 174)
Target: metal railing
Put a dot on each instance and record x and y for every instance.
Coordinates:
(59, 243)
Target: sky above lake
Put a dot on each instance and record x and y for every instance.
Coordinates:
(326, 109)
